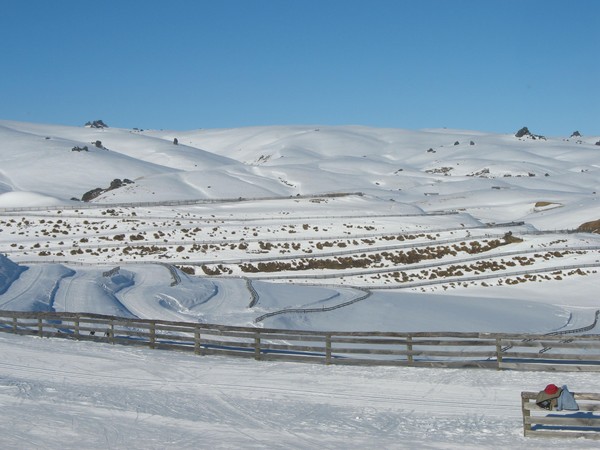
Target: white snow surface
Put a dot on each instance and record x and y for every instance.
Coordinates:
(64, 395)
(262, 185)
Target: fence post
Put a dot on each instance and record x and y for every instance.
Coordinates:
(498, 353)
(14, 325)
(152, 334)
(328, 348)
(76, 323)
(40, 327)
(111, 332)
(257, 345)
(409, 349)
(526, 414)
(197, 347)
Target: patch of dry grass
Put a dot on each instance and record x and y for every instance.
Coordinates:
(590, 227)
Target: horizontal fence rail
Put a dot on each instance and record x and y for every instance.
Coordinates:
(420, 349)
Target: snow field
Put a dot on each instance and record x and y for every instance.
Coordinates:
(60, 394)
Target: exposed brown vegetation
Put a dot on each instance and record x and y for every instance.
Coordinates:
(590, 227)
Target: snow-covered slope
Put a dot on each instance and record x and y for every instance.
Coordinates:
(277, 196)
(494, 176)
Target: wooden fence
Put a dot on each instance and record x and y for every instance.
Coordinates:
(444, 349)
(583, 423)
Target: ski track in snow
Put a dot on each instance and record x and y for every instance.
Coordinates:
(36, 288)
(85, 292)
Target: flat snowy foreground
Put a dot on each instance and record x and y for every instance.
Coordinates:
(58, 394)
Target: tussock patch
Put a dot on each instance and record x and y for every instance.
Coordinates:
(590, 227)
(543, 205)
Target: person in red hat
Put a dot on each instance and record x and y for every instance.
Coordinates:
(548, 398)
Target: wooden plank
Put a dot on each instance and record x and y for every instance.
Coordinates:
(218, 332)
(587, 396)
(24, 322)
(420, 353)
(367, 351)
(454, 343)
(223, 352)
(353, 334)
(230, 334)
(429, 364)
(180, 329)
(457, 364)
(547, 350)
(293, 348)
(455, 354)
(523, 338)
(178, 338)
(416, 342)
(531, 406)
(576, 343)
(58, 326)
(215, 343)
(290, 357)
(176, 347)
(578, 395)
(132, 333)
(125, 341)
(552, 356)
(547, 366)
(96, 329)
(563, 434)
(98, 322)
(25, 332)
(291, 336)
(368, 362)
(276, 330)
(58, 334)
(564, 420)
(532, 395)
(529, 394)
(366, 340)
(446, 334)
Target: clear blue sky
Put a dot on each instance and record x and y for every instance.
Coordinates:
(489, 65)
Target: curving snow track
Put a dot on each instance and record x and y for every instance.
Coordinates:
(83, 292)
(35, 289)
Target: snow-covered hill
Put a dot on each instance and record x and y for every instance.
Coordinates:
(301, 217)
(495, 177)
